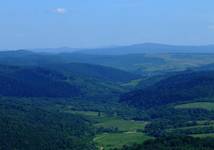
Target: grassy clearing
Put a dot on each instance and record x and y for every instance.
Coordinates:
(128, 130)
(132, 83)
(191, 127)
(128, 133)
(208, 135)
(86, 113)
(206, 122)
(93, 115)
(102, 120)
(200, 125)
(199, 105)
(117, 140)
(122, 125)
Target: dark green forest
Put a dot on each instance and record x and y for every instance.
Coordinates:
(174, 143)
(29, 124)
(181, 87)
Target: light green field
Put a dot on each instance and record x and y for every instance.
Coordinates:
(211, 135)
(122, 125)
(132, 83)
(117, 140)
(191, 127)
(127, 130)
(108, 122)
(93, 115)
(128, 133)
(199, 105)
(86, 113)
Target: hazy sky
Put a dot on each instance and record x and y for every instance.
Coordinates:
(95, 23)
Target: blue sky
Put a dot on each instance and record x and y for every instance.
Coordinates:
(98, 23)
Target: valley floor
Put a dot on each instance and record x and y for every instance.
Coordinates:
(115, 132)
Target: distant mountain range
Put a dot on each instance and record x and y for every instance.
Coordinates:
(56, 50)
(139, 63)
(150, 48)
(133, 49)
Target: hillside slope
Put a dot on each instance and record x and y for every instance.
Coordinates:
(94, 71)
(30, 125)
(177, 88)
(82, 81)
(34, 82)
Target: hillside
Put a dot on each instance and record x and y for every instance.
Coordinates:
(205, 67)
(70, 80)
(174, 143)
(95, 71)
(145, 64)
(34, 82)
(29, 125)
(24, 57)
(182, 87)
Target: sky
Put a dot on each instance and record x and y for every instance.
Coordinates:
(28, 24)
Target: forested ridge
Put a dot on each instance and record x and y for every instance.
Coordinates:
(26, 124)
(21, 81)
(182, 87)
(174, 143)
(35, 82)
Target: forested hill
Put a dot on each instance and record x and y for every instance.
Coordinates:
(34, 82)
(62, 80)
(177, 88)
(174, 143)
(95, 71)
(206, 67)
(29, 125)
(75, 64)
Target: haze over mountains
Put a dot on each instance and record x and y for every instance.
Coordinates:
(140, 63)
(133, 49)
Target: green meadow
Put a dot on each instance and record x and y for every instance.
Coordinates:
(117, 140)
(129, 131)
(199, 105)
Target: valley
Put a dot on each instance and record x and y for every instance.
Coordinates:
(113, 131)
(103, 107)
